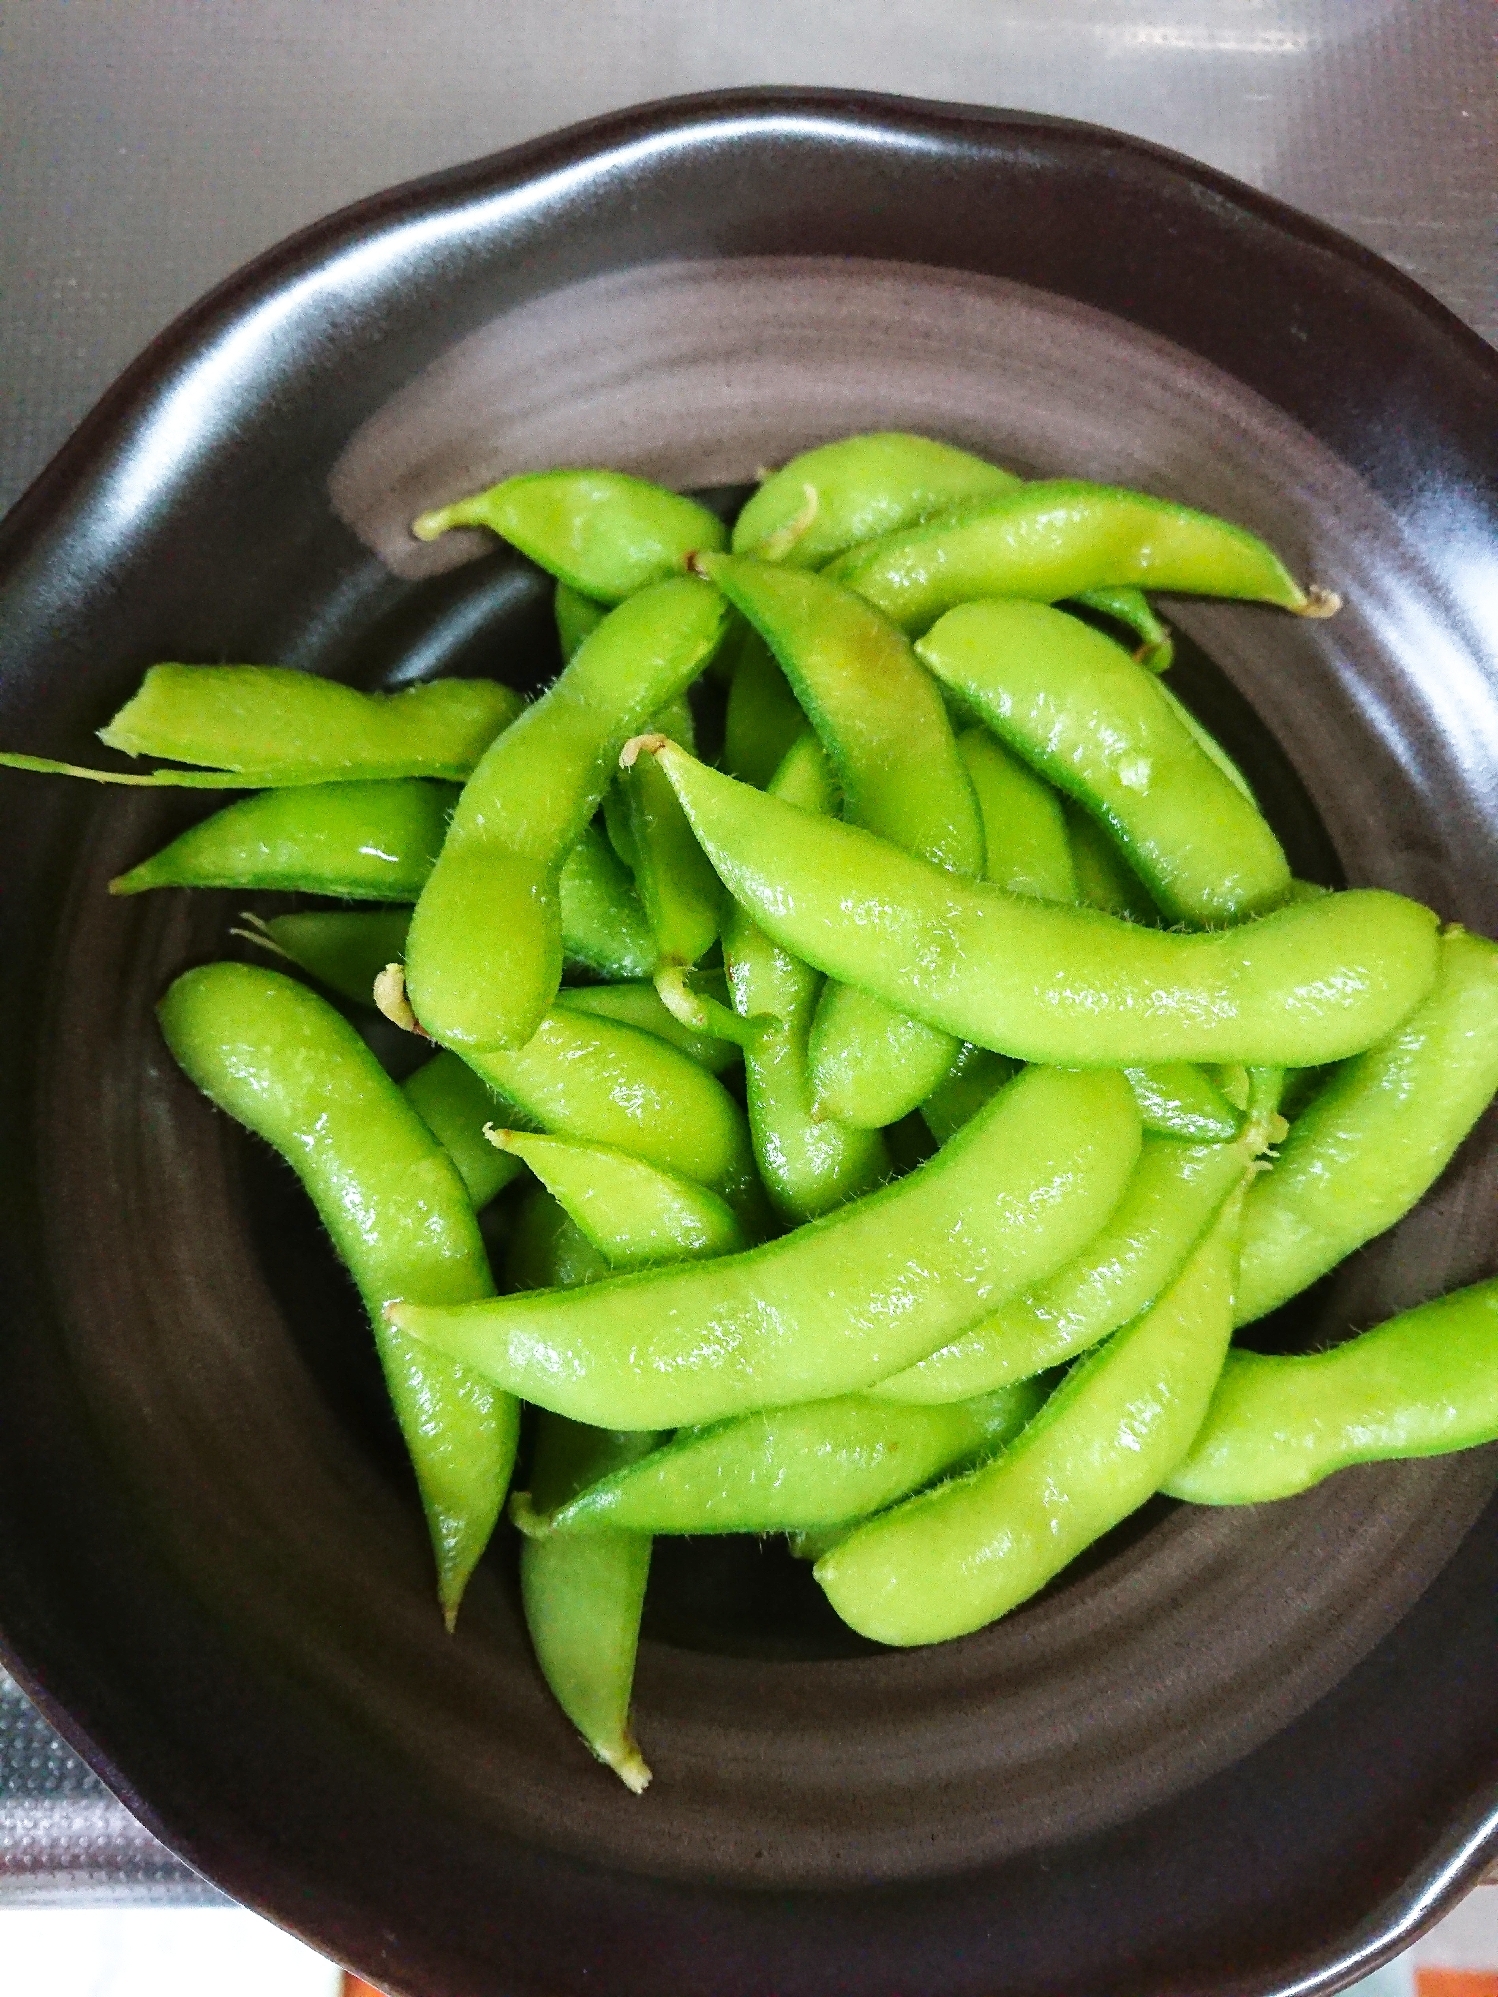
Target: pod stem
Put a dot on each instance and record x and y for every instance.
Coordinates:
(626, 1761)
(1319, 602)
(708, 1015)
(389, 995)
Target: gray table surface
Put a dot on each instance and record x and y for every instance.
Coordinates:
(151, 146)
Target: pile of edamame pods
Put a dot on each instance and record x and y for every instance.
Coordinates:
(895, 1105)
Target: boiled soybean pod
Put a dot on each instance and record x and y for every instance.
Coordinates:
(1174, 1195)
(797, 1469)
(1179, 1099)
(808, 1164)
(861, 488)
(364, 841)
(976, 1075)
(886, 732)
(1076, 707)
(1424, 1384)
(954, 1559)
(634, 1214)
(604, 926)
(590, 1078)
(484, 957)
(1026, 845)
(455, 1106)
(1058, 538)
(577, 617)
(837, 1304)
(1312, 982)
(605, 534)
(1131, 608)
(284, 1063)
(1378, 1135)
(583, 1596)
(265, 719)
(635, 1003)
(344, 949)
(763, 717)
(1104, 878)
(1208, 743)
(548, 1250)
(677, 888)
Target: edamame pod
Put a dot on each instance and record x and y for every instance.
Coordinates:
(1131, 608)
(604, 927)
(1058, 538)
(583, 1594)
(763, 717)
(367, 842)
(956, 1558)
(548, 1250)
(577, 617)
(796, 1469)
(282, 1062)
(837, 1304)
(808, 1164)
(1076, 707)
(634, 1214)
(265, 719)
(1104, 879)
(1378, 1135)
(1174, 1195)
(886, 732)
(1178, 1099)
(1312, 982)
(344, 949)
(1423, 1384)
(484, 957)
(455, 1105)
(1026, 846)
(605, 534)
(677, 888)
(976, 1076)
(639, 1005)
(589, 1078)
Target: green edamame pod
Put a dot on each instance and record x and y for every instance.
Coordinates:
(1312, 982)
(1424, 1384)
(861, 488)
(589, 1078)
(344, 949)
(282, 1062)
(1104, 878)
(1209, 745)
(678, 889)
(1378, 1135)
(956, 1558)
(548, 1250)
(455, 1105)
(1153, 645)
(1076, 707)
(638, 1004)
(763, 716)
(796, 1469)
(1178, 1099)
(1058, 538)
(1026, 846)
(886, 733)
(367, 842)
(808, 1164)
(976, 1076)
(839, 1303)
(269, 718)
(634, 1214)
(583, 1595)
(484, 957)
(605, 534)
(604, 927)
(577, 617)
(1174, 1195)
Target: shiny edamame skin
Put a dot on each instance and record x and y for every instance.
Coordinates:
(1077, 707)
(635, 1003)
(1377, 1135)
(954, 1559)
(282, 1062)
(602, 533)
(577, 617)
(635, 1214)
(455, 1106)
(809, 1164)
(796, 1469)
(1313, 982)
(484, 957)
(344, 949)
(763, 717)
(1422, 1384)
(885, 729)
(604, 925)
(839, 1303)
(364, 841)
(1061, 537)
(270, 719)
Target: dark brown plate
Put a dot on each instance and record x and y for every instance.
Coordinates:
(1238, 1752)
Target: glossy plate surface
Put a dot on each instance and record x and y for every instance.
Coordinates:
(1241, 1752)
